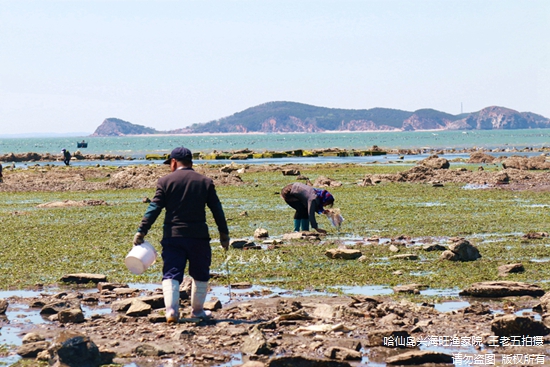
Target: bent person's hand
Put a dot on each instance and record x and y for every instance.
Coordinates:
(138, 238)
(224, 240)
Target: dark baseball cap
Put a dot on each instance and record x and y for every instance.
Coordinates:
(180, 154)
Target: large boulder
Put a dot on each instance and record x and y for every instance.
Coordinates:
(435, 162)
(461, 250)
(76, 350)
(480, 157)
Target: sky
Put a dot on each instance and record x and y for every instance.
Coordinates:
(65, 66)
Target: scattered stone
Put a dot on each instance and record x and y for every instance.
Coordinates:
(75, 350)
(261, 233)
(213, 305)
(502, 289)
(477, 309)
(31, 350)
(526, 163)
(346, 254)
(148, 350)
(32, 338)
(535, 235)
(504, 270)
(138, 308)
(238, 243)
(435, 162)
(404, 257)
(433, 247)
(323, 181)
(83, 278)
(419, 357)
(241, 285)
(291, 172)
(73, 315)
(343, 354)
(461, 250)
(105, 286)
(3, 306)
(255, 343)
(305, 235)
(508, 325)
(393, 248)
(409, 288)
(56, 307)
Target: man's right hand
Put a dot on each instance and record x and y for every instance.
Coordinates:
(224, 240)
(138, 238)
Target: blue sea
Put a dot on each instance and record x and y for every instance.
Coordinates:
(136, 147)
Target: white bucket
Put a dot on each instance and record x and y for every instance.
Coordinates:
(140, 258)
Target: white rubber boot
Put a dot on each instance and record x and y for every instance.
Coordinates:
(171, 292)
(198, 296)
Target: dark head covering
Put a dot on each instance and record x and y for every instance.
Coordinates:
(180, 154)
(325, 197)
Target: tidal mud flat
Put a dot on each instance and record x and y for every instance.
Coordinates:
(399, 220)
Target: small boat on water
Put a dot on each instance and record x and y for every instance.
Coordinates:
(82, 144)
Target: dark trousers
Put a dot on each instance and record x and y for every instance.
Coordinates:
(176, 251)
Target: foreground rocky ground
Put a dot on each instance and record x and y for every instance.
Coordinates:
(270, 329)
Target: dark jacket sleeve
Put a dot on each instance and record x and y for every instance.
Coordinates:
(312, 209)
(153, 210)
(215, 207)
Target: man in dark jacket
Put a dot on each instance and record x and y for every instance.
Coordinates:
(184, 194)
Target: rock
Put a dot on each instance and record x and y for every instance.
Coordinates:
(363, 259)
(502, 289)
(56, 307)
(122, 305)
(31, 350)
(477, 309)
(241, 285)
(409, 288)
(545, 302)
(139, 308)
(255, 343)
(261, 233)
(465, 250)
(301, 236)
(504, 270)
(3, 306)
(323, 181)
(32, 338)
(509, 325)
(157, 301)
(393, 248)
(526, 163)
(419, 357)
(83, 278)
(148, 350)
(324, 311)
(75, 350)
(298, 361)
(480, 157)
(213, 305)
(73, 315)
(346, 254)
(449, 255)
(535, 235)
(343, 354)
(433, 247)
(291, 172)
(435, 162)
(241, 243)
(404, 257)
(105, 286)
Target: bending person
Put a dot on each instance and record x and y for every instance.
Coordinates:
(307, 201)
(184, 194)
